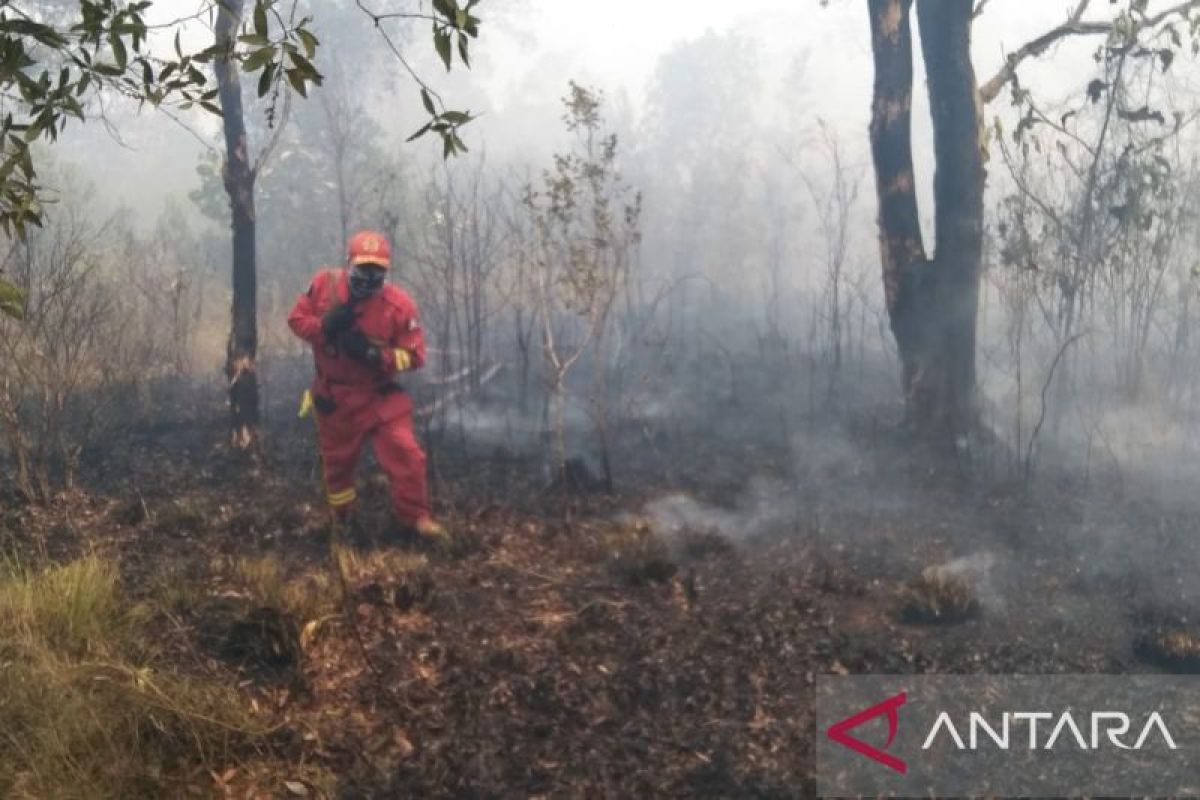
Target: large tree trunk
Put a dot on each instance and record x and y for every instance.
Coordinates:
(900, 242)
(958, 193)
(241, 359)
(932, 305)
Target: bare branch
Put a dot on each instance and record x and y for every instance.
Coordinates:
(1045, 390)
(1074, 26)
(979, 8)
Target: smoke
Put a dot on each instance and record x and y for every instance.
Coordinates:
(763, 507)
(978, 570)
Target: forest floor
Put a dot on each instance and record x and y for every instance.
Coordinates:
(661, 641)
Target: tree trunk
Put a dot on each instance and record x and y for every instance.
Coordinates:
(901, 246)
(958, 194)
(932, 305)
(241, 359)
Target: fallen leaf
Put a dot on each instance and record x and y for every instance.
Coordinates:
(296, 788)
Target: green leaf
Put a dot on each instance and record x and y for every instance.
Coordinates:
(258, 59)
(34, 30)
(260, 19)
(462, 49)
(428, 102)
(424, 129)
(254, 40)
(304, 65)
(457, 117)
(296, 78)
(264, 80)
(119, 52)
(441, 40)
(12, 300)
(309, 41)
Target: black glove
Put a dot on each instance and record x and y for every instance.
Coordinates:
(337, 320)
(356, 345)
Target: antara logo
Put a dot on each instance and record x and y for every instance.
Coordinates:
(1114, 724)
(840, 732)
(1106, 728)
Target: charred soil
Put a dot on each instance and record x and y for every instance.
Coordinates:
(586, 644)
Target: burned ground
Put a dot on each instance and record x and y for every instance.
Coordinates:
(662, 641)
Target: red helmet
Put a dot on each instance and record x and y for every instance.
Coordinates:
(369, 247)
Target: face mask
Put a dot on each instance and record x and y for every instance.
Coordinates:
(365, 281)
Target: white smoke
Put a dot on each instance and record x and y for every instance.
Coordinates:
(763, 506)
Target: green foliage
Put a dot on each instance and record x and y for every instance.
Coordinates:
(280, 52)
(585, 216)
(12, 300)
(52, 64)
(454, 27)
(445, 124)
(457, 23)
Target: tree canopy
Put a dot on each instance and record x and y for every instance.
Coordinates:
(58, 63)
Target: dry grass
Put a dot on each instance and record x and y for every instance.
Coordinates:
(86, 710)
(359, 565)
(306, 597)
(637, 555)
(1182, 645)
(1173, 648)
(938, 596)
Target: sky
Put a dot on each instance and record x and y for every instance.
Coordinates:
(530, 48)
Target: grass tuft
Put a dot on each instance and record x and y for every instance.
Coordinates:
(304, 598)
(87, 712)
(938, 596)
(637, 556)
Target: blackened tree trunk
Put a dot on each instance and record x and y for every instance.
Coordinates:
(958, 195)
(932, 305)
(901, 246)
(241, 366)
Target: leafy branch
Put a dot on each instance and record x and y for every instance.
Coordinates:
(50, 70)
(454, 26)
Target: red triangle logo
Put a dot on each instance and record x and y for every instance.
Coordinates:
(840, 732)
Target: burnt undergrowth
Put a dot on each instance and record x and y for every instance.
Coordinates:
(661, 639)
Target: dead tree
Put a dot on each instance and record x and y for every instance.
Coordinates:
(241, 367)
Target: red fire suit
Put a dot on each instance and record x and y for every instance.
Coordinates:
(356, 402)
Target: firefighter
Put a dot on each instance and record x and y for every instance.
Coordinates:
(365, 332)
